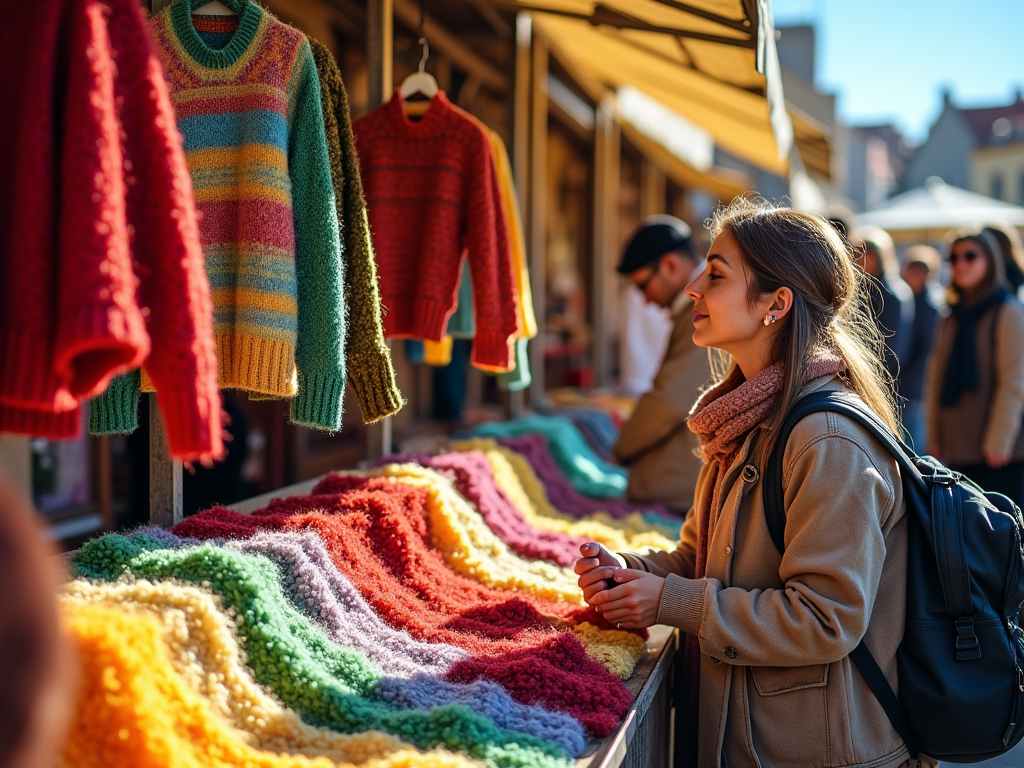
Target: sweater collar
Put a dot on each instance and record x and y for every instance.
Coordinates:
(183, 29)
(439, 108)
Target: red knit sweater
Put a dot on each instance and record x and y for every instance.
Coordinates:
(377, 535)
(100, 259)
(432, 192)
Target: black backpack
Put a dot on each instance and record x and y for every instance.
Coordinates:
(961, 662)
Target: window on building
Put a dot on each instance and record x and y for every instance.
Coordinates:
(997, 186)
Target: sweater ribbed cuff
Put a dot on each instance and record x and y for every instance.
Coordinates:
(193, 424)
(25, 421)
(116, 411)
(682, 604)
(376, 389)
(519, 378)
(318, 403)
(93, 351)
(492, 350)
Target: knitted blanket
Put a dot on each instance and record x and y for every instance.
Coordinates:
(474, 479)
(516, 478)
(468, 544)
(326, 684)
(377, 537)
(203, 650)
(596, 426)
(134, 710)
(589, 473)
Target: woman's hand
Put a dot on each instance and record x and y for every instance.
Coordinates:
(632, 604)
(595, 568)
(996, 460)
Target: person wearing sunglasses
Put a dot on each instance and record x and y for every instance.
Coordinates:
(976, 376)
(655, 444)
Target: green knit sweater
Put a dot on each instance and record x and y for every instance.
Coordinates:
(368, 360)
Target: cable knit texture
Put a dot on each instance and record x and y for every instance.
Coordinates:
(371, 373)
(328, 685)
(589, 473)
(100, 260)
(199, 636)
(134, 710)
(525, 491)
(377, 535)
(255, 143)
(437, 178)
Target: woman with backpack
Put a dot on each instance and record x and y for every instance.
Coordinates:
(769, 635)
(976, 376)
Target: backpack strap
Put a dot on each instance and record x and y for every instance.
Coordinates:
(773, 499)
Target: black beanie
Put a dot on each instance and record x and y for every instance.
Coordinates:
(655, 237)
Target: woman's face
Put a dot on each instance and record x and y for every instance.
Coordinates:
(722, 315)
(968, 264)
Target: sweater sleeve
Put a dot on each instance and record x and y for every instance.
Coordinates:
(489, 261)
(371, 372)
(320, 352)
(173, 292)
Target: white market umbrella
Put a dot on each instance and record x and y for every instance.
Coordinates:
(933, 209)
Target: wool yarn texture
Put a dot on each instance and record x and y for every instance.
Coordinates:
(596, 426)
(202, 648)
(377, 535)
(327, 685)
(474, 480)
(134, 710)
(517, 480)
(459, 531)
(308, 588)
(589, 473)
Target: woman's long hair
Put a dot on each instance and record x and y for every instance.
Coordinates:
(804, 253)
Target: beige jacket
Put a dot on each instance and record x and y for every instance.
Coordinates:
(655, 443)
(988, 419)
(777, 687)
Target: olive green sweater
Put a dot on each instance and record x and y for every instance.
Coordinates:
(368, 360)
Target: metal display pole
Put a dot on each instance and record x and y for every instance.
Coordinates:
(537, 230)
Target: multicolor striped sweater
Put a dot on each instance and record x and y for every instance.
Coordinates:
(250, 114)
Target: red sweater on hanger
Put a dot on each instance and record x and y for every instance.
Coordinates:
(100, 260)
(431, 193)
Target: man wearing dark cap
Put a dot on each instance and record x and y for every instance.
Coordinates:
(655, 443)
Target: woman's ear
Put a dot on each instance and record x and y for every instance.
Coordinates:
(782, 303)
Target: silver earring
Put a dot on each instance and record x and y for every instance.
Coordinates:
(769, 319)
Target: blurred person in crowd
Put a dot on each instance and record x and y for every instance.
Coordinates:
(922, 265)
(975, 385)
(1012, 250)
(655, 444)
(36, 663)
(892, 301)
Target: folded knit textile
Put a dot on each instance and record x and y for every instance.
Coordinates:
(101, 267)
(518, 481)
(473, 477)
(469, 546)
(562, 493)
(596, 426)
(134, 710)
(200, 640)
(377, 535)
(326, 684)
(589, 473)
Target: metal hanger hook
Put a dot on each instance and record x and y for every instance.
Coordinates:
(426, 53)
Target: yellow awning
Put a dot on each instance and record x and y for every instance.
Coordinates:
(702, 58)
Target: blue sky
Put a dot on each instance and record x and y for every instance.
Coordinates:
(888, 59)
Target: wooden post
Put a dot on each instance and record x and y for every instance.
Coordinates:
(652, 189)
(521, 152)
(607, 158)
(165, 479)
(16, 463)
(536, 237)
(380, 29)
